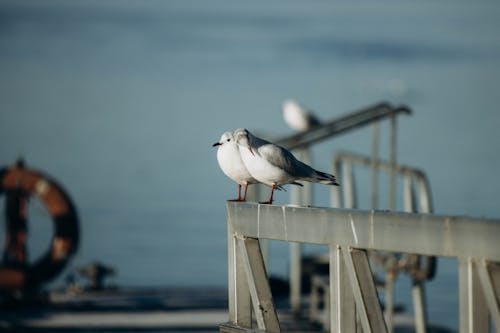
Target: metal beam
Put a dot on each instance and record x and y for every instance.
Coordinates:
(258, 283)
(341, 125)
(425, 234)
(364, 291)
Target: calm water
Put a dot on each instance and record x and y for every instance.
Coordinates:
(121, 101)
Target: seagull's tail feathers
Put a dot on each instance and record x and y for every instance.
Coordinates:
(281, 188)
(323, 178)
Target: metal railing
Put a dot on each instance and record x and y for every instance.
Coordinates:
(418, 268)
(301, 143)
(349, 234)
(341, 125)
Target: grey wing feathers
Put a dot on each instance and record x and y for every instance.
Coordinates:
(279, 157)
(282, 158)
(325, 178)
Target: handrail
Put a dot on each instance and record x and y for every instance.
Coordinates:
(419, 268)
(341, 124)
(379, 164)
(407, 172)
(426, 234)
(349, 233)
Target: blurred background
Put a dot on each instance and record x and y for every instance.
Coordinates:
(121, 101)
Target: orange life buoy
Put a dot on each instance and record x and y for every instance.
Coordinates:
(19, 184)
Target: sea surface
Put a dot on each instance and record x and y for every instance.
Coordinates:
(121, 101)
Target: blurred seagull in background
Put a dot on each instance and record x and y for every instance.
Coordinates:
(228, 156)
(274, 165)
(297, 117)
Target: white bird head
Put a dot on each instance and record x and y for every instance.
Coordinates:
(242, 138)
(297, 117)
(226, 137)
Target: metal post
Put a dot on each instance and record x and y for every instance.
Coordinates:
(389, 284)
(335, 195)
(418, 295)
(389, 300)
(347, 179)
(295, 261)
(295, 277)
(240, 311)
(425, 195)
(417, 290)
(472, 304)
(374, 176)
(343, 311)
(409, 197)
(392, 161)
(299, 196)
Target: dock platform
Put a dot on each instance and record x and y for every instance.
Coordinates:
(200, 310)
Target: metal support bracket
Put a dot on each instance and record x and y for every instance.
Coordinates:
(489, 275)
(363, 288)
(258, 284)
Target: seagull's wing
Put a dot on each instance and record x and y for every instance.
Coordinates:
(283, 159)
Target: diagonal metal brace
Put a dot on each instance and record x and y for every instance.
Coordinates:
(258, 283)
(489, 275)
(363, 288)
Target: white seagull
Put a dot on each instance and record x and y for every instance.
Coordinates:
(228, 156)
(274, 165)
(297, 117)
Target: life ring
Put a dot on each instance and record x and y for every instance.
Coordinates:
(19, 184)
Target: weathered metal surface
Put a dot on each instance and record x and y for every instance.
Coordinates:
(240, 311)
(412, 177)
(473, 309)
(486, 276)
(426, 234)
(258, 284)
(363, 289)
(419, 306)
(343, 311)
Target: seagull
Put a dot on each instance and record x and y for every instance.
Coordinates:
(273, 165)
(228, 156)
(297, 117)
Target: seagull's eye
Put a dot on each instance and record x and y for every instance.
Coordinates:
(228, 140)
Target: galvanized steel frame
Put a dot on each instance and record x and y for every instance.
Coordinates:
(348, 233)
(343, 164)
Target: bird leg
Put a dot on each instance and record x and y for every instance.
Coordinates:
(245, 193)
(239, 194)
(270, 201)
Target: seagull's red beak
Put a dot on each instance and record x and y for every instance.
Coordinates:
(250, 148)
(216, 144)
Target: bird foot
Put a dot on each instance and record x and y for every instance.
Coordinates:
(237, 200)
(269, 202)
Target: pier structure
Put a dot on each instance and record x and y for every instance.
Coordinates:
(349, 234)
(355, 240)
